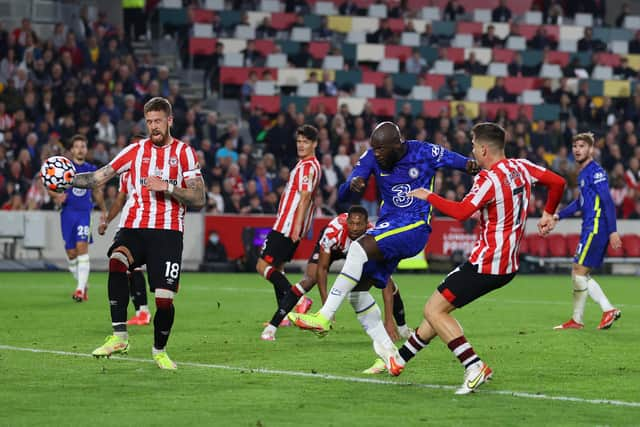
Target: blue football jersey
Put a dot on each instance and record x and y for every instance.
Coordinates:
(415, 170)
(598, 209)
(80, 198)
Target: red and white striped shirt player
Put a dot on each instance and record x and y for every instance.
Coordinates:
(336, 235)
(502, 195)
(173, 163)
(304, 177)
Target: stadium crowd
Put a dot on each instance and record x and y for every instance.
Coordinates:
(86, 79)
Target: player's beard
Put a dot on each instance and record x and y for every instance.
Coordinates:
(159, 138)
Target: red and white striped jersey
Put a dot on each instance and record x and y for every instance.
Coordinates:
(336, 235)
(304, 177)
(502, 194)
(174, 163)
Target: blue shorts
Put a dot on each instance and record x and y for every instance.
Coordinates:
(591, 249)
(397, 239)
(76, 227)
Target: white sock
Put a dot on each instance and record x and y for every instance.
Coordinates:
(143, 308)
(84, 266)
(596, 293)
(73, 267)
(124, 335)
(299, 287)
(155, 351)
(370, 317)
(346, 280)
(579, 296)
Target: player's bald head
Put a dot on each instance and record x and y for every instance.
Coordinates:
(386, 133)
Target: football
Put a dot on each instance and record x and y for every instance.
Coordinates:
(57, 173)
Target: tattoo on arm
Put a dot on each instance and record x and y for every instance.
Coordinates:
(192, 196)
(94, 179)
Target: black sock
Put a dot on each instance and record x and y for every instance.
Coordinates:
(285, 305)
(118, 291)
(280, 284)
(162, 322)
(398, 309)
(138, 289)
(412, 346)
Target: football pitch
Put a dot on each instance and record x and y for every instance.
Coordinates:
(227, 376)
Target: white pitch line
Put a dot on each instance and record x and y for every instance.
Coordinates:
(331, 377)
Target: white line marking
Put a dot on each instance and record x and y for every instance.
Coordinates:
(341, 378)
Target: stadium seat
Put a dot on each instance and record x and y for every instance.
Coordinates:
(596, 87)
(404, 81)
(410, 39)
(375, 78)
(330, 104)
(255, 18)
(617, 88)
(245, 32)
(621, 34)
(621, 47)
(340, 24)
(516, 43)
(455, 54)
(356, 37)
(289, 47)
(631, 244)
(291, 76)
(610, 59)
(611, 252)
(398, 52)
(430, 54)
(551, 71)
(477, 95)
(557, 245)
(198, 46)
(501, 29)
(559, 58)
(471, 109)
(583, 19)
(213, 4)
(229, 18)
(378, 10)
(531, 97)
(483, 54)
(383, 107)
(350, 77)
(537, 245)
(269, 104)
(432, 109)
(267, 88)
(498, 70)
(366, 24)
(441, 66)
(319, 50)
(416, 106)
(170, 4)
(462, 40)
(482, 15)
(602, 72)
(233, 45)
(571, 32)
(631, 22)
(512, 110)
(202, 31)
(435, 81)
(300, 34)
(365, 90)
(516, 85)
(265, 46)
(503, 55)
(572, 243)
(464, 81)
(566, 45)
(421, 93)
(370, 52)
(282, 21)
(203, 16)
(276, 60)
(270, 6)
(233, 59)
(354, 105)
(313, 21)
(533, 17)
(333, 62)
(307, 89)
(430, 13)
(473, 28)
(396, 25)
(547, 112)
(325, 8)
(443, 28)
(483, 82)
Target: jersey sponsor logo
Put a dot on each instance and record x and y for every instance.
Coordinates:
(413, 173)
(599, 177)
(401, 199)
(143, 181)
(79, 192)
(145, 160)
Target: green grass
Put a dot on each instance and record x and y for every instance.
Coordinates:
(218, 322)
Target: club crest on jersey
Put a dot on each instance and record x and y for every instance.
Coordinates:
(413, 173)
(173, 162)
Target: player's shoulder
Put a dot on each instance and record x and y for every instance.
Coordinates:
(596, 173)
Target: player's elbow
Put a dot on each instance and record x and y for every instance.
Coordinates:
(198, 203)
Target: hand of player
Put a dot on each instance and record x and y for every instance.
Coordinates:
(59, 198)
(546, 224)
(295, 233)
(391, 329)
(419, 193)
(472, 167)
(615, 241)
(357, 184)
(155, 183)
(102, 228)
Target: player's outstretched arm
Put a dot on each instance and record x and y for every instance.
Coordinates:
(458, 210)
(115, 209)
(94, 179)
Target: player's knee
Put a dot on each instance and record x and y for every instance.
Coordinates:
(118, 262)
(164, 299)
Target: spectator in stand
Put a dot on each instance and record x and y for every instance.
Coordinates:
(554, 14)
(327, 86)
(541, 40)
(588, 43)
(303, 58)
(428, 38)
(501, 13)
(634, 44)
(452, 11)
(323, 32)
(265, 30)
(632, 174)
(382, 35)
(472, 66)
(251, 56)
(349, 8)
(387, 90)
(626, 10)
(22, 33)
(415, 63)
(451, 90)
(498, 93)
(490, 39)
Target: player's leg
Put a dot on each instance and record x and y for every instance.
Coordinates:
(84, 267)
(398, 310)
(72, 262)
(277, 250)
(68, 228)
(163, 266)
(138, 293)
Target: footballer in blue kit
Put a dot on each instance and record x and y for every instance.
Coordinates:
(75, 219)
(598, 230)
(402, 229)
